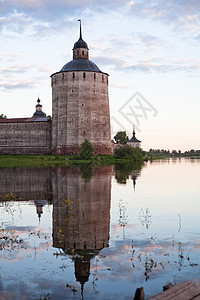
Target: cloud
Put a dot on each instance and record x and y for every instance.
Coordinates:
(156, 64)
(51, 10)
(14, 22)
(17, 84)
(16, 73)
(182, 15)
(120, 86)
(129, 45)
(42, 17)
(11, 70)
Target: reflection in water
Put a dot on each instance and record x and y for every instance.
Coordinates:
(39, 206)
(86, 171)
(145, 217)
(26, 183)
(159, 244)
(81, 220)
(122, 171)
(122, 216)
(81, 207)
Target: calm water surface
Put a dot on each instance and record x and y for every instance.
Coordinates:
(70, 233)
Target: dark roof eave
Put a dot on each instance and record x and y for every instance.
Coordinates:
(22, 120)
(133, 141)
(79, 71)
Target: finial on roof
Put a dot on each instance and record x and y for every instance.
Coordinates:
(38, 100)
(133, 130)
(80, 38)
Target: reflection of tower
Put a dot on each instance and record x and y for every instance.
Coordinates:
(81, 215)
(134, 176)
(39, 207)
(82, 271)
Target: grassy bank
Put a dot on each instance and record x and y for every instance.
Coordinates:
(54, 160)
(31, 160)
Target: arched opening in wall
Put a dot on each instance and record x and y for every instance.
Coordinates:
(84, 132)
(63, 76)
(73, 75)
(85, 245)
(77, 52)
(102, 78)
(82, 52)
(94, 76)
(84, 75)
(82, 104)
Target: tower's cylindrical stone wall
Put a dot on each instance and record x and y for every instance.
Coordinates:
(80, 107)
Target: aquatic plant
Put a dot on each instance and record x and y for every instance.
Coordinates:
(9, 240)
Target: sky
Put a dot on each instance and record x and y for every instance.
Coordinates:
(150, 49)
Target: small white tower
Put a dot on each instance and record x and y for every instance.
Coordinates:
(134, 142)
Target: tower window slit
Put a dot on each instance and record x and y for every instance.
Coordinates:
(82, 52)
(84, 75)
(94, 76)
(102, 78)
(73, 75)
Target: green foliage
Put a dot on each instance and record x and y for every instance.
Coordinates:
(123, 170)
(86, 171)
(2, 116)
(129, 152)
(121, 137)
(157, 153)
(86, 150)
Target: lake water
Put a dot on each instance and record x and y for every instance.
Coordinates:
(98, 233)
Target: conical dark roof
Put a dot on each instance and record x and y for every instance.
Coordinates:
(80, 64)
(133, 139)
(80, 44)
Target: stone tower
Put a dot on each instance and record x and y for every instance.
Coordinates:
(80, 104)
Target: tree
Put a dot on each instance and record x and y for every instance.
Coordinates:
(86, 171)
(2, 116)
(123, 170)
(129, 152)
(121, 137)
(174, 152)
(86, 150)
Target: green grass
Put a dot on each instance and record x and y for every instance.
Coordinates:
(54, 160)
(32, 160)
